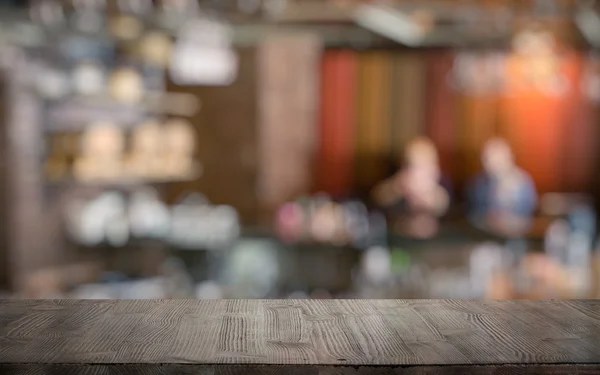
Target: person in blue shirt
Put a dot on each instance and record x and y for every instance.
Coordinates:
(503, 198)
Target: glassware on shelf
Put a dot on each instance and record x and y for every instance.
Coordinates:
(146, 159)
(252, 269)
(53, 83)
(179, 139)
(89, 78)
(196, 224)
(125, 27)
(126, 85)
(101, 153)
(148, 216)
(102, 219)
(155, 48)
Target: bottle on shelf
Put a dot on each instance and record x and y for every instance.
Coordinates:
(179, 141)
(101, 154)
(126, 85)
(145, 159)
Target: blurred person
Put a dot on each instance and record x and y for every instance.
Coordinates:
(415, 191)
(503, 197)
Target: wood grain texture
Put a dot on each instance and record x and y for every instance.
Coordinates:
(336, 135)
(29, 218)
(288, 69)
(227, 140)
(441, 124)
(299, 370)
(408, 98)
(299, 336)
(373, 111)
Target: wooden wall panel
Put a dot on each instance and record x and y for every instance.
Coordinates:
(582, 136)
(408, 106)
(440, 111)
(477, 119)
(5, 281)
(374, 137)
(288, 73)
(336, 144)
(227, 140)
(30, 247)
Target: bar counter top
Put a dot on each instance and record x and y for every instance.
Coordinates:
(299, 337)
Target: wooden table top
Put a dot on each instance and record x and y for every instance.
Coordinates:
(299, 336)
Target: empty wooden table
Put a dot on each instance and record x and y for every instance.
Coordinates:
(299, 337)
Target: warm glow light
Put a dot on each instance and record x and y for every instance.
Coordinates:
(538, 61)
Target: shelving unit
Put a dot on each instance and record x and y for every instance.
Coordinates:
(77, 113)
(37, 244)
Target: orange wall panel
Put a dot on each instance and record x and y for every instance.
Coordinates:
(335, 150)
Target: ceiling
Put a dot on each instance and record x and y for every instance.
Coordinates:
(409, 23)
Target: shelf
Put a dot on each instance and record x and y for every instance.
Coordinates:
(123, 182)
(76, 114)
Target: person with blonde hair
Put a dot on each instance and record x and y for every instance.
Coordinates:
(417, 189)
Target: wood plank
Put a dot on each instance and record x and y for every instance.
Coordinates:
(299, 336)
(336, 136)
(30, 218)
(288, 70)
(441, 124)
(374, 136)
(408, 101)
(170, 369)
(226, 140)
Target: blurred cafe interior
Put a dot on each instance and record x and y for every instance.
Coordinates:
(299, 149)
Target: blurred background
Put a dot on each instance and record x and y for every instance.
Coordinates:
(299, 148)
